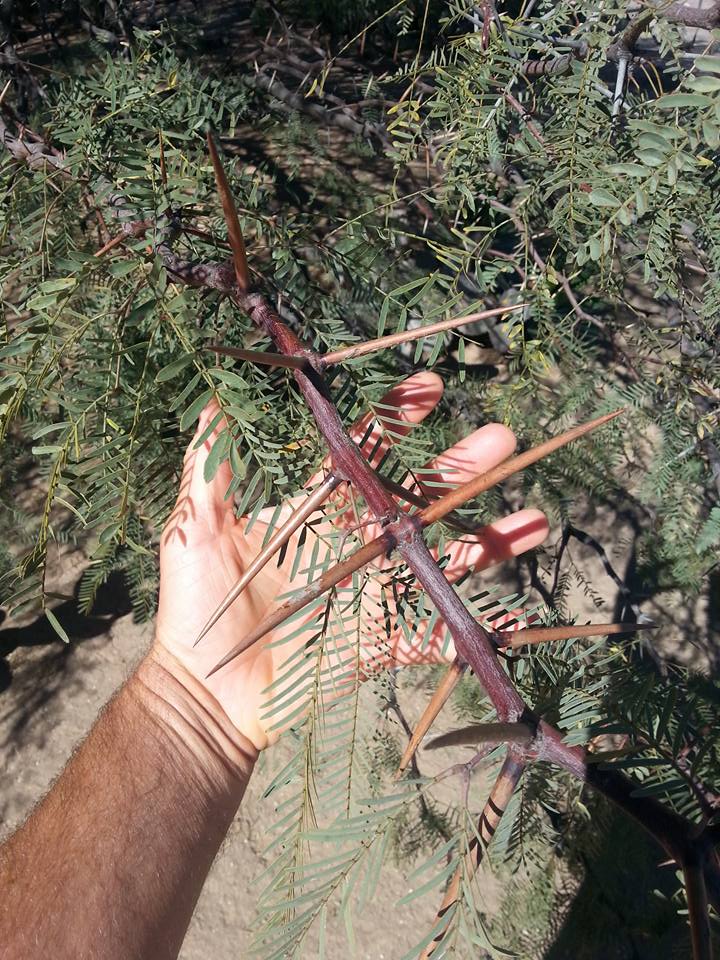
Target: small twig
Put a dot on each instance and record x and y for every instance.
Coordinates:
(265, 359)
(519, 734)
(497, 803)
(697, 901)
(163, 167)
(535, 635)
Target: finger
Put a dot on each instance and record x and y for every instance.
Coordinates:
(407, 404)
(498, 541)
(501, 540)
(198, 499)
(480, 451)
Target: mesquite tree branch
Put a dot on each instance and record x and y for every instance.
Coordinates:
(692, 848)
(389, 539)
(472, 641)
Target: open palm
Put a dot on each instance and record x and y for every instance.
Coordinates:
(205, 550)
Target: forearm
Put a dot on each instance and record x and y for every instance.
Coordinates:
(112, 862)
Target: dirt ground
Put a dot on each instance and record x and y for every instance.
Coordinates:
(51, 693)
(49, 703)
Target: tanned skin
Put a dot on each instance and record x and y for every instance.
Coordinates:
(111, 863)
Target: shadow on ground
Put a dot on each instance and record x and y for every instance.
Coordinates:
(622, 908)
(40, 677)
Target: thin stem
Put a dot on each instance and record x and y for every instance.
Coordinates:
(698, 917)
(534, 635)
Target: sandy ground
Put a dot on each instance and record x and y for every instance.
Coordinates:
(51, 693)
(53, 698)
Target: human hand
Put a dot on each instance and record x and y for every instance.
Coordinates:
(205, 550)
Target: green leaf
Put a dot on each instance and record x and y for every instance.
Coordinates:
(48, 428)
(139, 313)
(56, 625)
(43, 451)
(121, 268)
(172, 369)
(195, 409)
(603, 198)
(624, 216)
(54, 286)
(382, 319)
(462, 370)
(641, 202)
(711, 64)
(237, 464)
(218, 454)
(705, 84)
(41, 301)
(674, 101)
(635, 170)
(650, 157)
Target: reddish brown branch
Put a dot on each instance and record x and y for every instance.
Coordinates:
(472, 642)
(704, 18)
